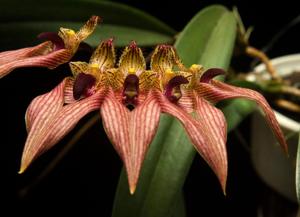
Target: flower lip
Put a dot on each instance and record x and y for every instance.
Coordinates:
(172, 90)
(209, 74)
(54, 38)
(83, 85)
(131, 90)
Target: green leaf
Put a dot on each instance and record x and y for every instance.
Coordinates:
(236, 110)
(10, 34)
(298, 171)
(121, 21)
(208, 39)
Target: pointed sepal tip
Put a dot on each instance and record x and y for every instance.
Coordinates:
(132, 189)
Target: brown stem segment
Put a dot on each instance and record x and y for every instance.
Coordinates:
(288, 105)
(291, 90)
(253, 52)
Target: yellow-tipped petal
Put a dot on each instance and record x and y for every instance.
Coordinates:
(132, 60)
(104, 56)
(88, 28)
(78, 67)
(165, 58)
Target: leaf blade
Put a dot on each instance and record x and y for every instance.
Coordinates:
(10, 33)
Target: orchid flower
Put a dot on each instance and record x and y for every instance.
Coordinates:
(131, 98)
(59, 49)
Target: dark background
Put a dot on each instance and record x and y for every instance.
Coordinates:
(84, 182)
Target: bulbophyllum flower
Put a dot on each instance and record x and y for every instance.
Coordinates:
(131, 98)
(58, 49)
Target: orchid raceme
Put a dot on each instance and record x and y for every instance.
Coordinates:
(168, 87)
(58, 49)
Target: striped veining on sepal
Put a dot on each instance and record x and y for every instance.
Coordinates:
(52, 122)
(131, 132)
(214, 124)
(200, 136)
(38, 115)
(69, 116)
(144, 123)
(217, 91)
(51, 61)
(115, 118)
(13, 55)
(40, 106)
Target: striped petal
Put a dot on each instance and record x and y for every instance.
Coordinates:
(104, 56)
(216, 91)
(211, 148)
(132, 60)
(164, 58)
(50, 121)
(131, 132)
(51, 60)
(88, 28)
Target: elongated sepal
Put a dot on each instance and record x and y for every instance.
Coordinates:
(207, 139)
(214, 125)
(26, 57)
(49, 120)
(131, 132)
(216, 91)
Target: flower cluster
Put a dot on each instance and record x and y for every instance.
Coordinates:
(168, 86)
(58, 49)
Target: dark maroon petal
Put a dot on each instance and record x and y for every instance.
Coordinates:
(173, 92)
(131, 89)
(83, 83)
(210, 74)
(54, 38)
